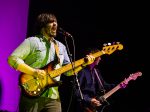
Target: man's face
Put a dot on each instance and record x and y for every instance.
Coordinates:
(51, 28)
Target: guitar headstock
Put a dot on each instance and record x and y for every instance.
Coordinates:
(135, 75)
(110, 48)
(132, 76)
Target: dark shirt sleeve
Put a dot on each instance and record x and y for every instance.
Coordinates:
(107, 86)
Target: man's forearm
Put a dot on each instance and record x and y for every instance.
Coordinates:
(26, 69)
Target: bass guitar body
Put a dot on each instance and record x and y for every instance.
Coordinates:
(34, 86)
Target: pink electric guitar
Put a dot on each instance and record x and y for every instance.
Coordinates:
(123, 84)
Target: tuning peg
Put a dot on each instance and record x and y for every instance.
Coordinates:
(109, 43)
(118, 42)
(104, 44)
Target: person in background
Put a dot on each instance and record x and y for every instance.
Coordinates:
(34, 54)
(88, 96)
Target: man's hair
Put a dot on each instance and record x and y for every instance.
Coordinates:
(43, 19)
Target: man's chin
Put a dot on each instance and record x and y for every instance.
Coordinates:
(53, 35)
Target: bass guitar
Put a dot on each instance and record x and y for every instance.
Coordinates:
(34, 86)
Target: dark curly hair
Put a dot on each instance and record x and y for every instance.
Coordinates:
(43, 19)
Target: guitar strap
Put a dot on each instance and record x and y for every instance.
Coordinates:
(56, 50)
(99, 80)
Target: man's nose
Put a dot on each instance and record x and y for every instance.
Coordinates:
(55, 24)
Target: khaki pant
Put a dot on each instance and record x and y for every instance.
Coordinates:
(40, 104)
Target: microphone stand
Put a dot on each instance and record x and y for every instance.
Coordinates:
(73, 68)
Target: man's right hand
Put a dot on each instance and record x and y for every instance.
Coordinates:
(39, 73)
(95, 102)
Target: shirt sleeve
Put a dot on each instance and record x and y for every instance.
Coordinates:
(107, 86)
(19, 54)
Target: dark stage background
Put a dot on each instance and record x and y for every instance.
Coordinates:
(93, 23)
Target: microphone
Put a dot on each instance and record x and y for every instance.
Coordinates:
(60, 30)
